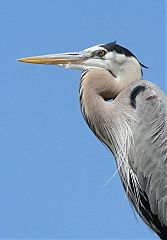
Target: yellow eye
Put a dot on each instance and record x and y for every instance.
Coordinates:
(101, 53)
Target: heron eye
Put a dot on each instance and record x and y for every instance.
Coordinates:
(101, 53)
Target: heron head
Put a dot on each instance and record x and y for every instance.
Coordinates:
(111, 57)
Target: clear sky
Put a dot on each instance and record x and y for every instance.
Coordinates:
(52, 168)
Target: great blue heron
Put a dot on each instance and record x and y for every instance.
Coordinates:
(133, 125)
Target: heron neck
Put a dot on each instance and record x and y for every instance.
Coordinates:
(104, 118)
(93, 108)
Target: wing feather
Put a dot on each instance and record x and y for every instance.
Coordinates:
(147, 157)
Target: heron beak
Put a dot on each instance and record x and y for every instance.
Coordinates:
(68, 60)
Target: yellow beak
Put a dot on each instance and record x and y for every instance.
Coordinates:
(57, 59)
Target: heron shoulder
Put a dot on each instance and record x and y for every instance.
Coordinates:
(143, 109)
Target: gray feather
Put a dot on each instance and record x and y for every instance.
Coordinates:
(147, 157)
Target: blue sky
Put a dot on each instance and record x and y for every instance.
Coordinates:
(52, 168)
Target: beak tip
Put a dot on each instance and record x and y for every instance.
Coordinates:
(26, 60)
(21, 60)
